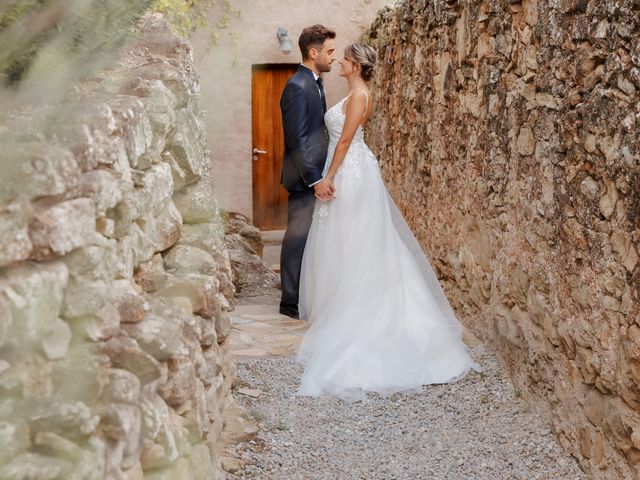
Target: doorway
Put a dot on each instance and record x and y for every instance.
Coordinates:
(269, 197)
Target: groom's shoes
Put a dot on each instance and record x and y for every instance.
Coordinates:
(290, 311)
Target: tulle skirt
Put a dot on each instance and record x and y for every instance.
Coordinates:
(379, 320)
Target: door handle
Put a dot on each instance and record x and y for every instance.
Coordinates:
(259, 152)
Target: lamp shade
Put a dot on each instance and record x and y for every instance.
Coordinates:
(285, 43)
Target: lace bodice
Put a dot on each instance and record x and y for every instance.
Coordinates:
(334, 120)
(357, 162)
(358, 154)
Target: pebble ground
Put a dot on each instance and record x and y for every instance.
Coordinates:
(475, 429)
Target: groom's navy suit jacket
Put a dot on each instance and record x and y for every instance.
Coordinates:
(305, 135)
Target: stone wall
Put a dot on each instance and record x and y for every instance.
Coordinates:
(508, 134)
(115, 285)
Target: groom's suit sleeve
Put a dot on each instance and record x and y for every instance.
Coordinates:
(295, 123)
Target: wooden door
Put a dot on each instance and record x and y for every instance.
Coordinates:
(269, 197)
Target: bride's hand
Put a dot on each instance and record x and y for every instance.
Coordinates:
(332, 187)
(324, 189)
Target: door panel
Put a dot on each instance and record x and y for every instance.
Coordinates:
(269, 197)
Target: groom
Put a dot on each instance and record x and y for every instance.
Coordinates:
(306, 140)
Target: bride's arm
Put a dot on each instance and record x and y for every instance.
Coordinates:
(355, 112)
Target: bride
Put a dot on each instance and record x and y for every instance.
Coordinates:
(379, 320)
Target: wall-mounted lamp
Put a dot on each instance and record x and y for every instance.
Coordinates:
(283, 38)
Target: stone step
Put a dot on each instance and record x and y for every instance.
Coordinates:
(272, 237)
(272, 240)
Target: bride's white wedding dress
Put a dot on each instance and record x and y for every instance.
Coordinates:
(379, 319)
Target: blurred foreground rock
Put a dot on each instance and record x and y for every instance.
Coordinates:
(115, 282)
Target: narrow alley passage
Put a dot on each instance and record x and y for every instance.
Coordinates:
(478, 428)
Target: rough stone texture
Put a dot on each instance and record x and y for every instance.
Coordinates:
(113, 324)
(15, 244)
(251, 277)
(508, 133)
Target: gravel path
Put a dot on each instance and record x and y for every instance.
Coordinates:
(475, 429)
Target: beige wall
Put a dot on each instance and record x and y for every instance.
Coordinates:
(225, 72)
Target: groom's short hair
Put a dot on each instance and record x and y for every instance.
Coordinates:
(313, 36)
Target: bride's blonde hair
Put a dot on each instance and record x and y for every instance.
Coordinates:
(363, 55)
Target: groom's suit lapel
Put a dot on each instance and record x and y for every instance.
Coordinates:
(312, 87)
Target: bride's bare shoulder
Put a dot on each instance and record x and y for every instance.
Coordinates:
(361, 93)
(360, 98)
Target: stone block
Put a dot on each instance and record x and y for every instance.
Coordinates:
(236, 223)
(64, 418)
(181, 469)
(179, 387)
(609, 199)
(202, 463)
(526, 141)
(205, 236)
(81, 374)
(101, 260)
(163, 229)
(37, 170)
(59, 229)
(6, 318)
(184, 259)
(182, 82)
(36, 466)
(137, 246)
(125, 353)
(187, 146)
(98, 326)
(150, 275)
(134, 473)
(159, 333)
(14, 438)
(201, 290)
(132, 125)
(126, 297)
(88, 128)
(122, 423)
(223, 326)
(104, 188)
(122, 387)
(154, 190)
(56, 339)
(197, 419)
(160, 448)
(84, 297)
(197, 202)
(159, 103)
(34, 294)
(15, 244)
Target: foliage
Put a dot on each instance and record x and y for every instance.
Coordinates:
(41, 36)
(187, 15)
(38, 35)
(184, 15)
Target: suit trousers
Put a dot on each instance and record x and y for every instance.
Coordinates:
(300, 214)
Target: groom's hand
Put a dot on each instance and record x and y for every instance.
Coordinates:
(324, 189)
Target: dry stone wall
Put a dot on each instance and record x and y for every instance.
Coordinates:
(508, 133)
(115, 285)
